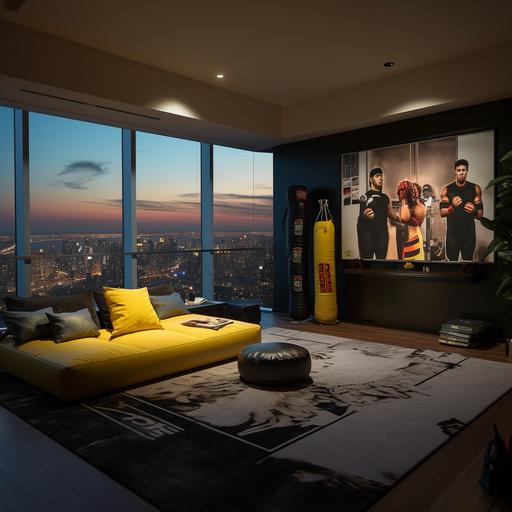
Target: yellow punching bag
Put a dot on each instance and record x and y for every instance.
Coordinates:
(326, 307)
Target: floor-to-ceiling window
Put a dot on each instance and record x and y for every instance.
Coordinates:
(168, 212)
(75, 205)
(7, 216)
(243, 261)
(74, 194)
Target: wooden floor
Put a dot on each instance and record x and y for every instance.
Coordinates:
(39, 475)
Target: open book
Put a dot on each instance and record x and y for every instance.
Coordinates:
(209, 323)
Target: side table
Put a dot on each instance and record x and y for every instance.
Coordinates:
(209, 308)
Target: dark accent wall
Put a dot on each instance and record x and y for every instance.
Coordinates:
(420, 304)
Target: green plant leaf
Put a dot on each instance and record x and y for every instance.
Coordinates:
(505, 284)
(506, 161)
(507, 295)
(496, 245)
(499, 180)
(505, 255)
(506, 156)
(502, 225)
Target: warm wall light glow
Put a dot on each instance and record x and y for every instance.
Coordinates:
(220, 76)
(177, 108)
(418, 104)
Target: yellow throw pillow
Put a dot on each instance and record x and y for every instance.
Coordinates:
(130, 310)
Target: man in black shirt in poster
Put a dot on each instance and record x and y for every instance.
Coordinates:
(461, 204)
(372, 224)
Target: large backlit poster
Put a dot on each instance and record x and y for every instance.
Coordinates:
(419, 201)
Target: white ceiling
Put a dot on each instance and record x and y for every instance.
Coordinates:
(283, 52)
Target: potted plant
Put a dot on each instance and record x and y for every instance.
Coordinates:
(502, 227)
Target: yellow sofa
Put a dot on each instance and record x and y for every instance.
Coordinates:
(88, 366)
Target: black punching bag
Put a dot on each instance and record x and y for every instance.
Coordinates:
(298, 215)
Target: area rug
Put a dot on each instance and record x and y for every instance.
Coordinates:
(205, 441)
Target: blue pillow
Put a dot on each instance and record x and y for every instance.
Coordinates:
(168, 305)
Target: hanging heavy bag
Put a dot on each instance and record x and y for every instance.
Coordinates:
(326, 307)
(298, 212)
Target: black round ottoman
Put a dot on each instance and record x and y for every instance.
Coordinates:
(274, 363)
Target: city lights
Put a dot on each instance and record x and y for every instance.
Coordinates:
(69, 263)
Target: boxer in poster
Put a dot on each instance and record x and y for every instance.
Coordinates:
(461, 204)
(412, 214)
(372, 225)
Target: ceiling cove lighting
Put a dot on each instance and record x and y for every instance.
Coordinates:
(417, 104)
(177, 108)
(220, 76)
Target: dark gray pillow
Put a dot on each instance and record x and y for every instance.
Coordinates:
(72, 326)
(60, 304)
(28, 325)
(168, 305)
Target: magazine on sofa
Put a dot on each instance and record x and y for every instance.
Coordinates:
(208, 323)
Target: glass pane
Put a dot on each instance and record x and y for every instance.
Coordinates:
(243, 195)
(75, 201)
(7, 221)
(245, 275)
(61, 275)
(168, 211)
(182, 269)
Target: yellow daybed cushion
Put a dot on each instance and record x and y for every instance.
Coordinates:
(130, 310)
(89, 366)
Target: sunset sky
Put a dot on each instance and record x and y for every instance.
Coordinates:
(75, 181)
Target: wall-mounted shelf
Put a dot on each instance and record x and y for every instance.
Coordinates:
(385, 273)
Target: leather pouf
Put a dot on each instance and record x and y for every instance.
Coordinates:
(274, 363)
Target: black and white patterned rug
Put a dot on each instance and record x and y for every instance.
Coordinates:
(207, 441)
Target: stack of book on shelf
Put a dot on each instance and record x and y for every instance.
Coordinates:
(464, 332)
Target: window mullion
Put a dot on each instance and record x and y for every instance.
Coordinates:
(207, 220)
(22, 197)
(129, 208)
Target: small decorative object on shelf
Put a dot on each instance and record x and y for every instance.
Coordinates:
(205, 307)
(356, 263)
(496, 474)
(408, 266)
(196, 301)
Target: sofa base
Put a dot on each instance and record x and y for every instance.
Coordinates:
(89, 366)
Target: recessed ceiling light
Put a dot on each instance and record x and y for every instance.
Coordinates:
(220, 75)
(389, 64)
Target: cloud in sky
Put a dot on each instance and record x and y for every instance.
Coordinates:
(232, 204)
(77, 174)
(153, 206)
